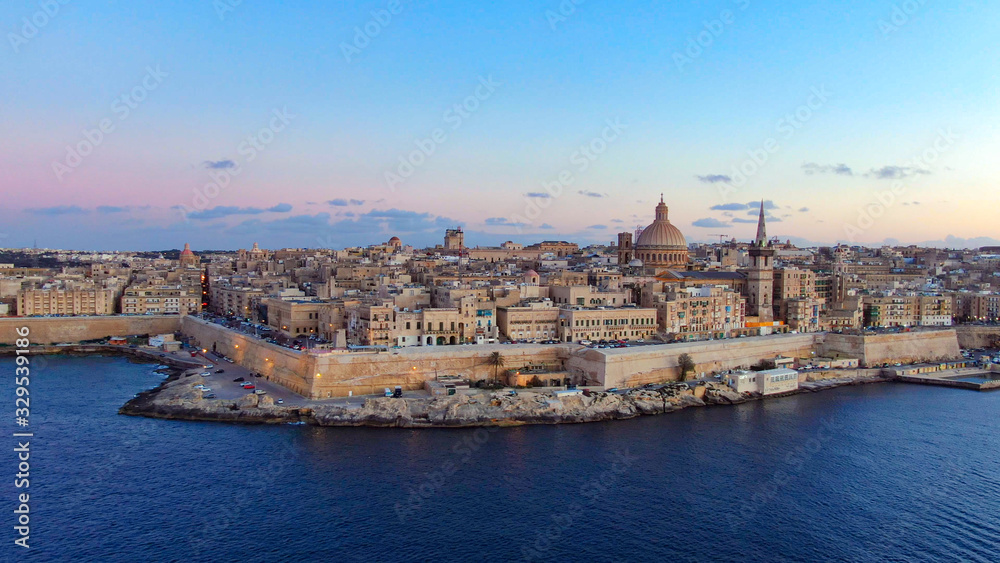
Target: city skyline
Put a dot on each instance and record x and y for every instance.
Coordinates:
(336, 126)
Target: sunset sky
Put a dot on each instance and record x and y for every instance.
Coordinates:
(342, 123)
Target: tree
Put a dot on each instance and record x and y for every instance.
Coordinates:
(686, 364)
(496, 360)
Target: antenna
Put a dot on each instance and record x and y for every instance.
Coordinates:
(720, 237)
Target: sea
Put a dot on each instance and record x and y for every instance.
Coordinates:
(884, 472)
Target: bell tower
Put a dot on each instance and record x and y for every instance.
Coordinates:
(760, 278)
(625, 251)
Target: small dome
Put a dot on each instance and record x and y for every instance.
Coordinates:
(636, 263)
(187, 250)
(531, 274)
(395, 241)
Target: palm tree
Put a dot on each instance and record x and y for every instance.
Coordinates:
(496, 360)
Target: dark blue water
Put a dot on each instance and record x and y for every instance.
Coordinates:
(874, 473)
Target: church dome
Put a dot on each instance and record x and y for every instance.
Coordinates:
(661, 232)
(187, 250)
(661, 245)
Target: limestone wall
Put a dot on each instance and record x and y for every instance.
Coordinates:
(363, 373)
(287, 367)
(626, 367)
(974, 336)
(903, 347)
(56, 330)
(337, 373)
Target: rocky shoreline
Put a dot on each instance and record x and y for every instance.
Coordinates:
(176, 398)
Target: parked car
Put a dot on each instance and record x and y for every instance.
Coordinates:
(239, 379)
(249, 386)
(280, 401)
(209, 396)
(205, 374)
(260, 392)
(220, 371)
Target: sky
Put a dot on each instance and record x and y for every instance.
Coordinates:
(144, 125)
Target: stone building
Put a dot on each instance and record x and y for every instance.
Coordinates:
(189, 259)
(160, 300)
(760, 276)
(661, 245)
(66, 300)
(694, 313)
(294, 317)
(588, 296)
(454, 239)
(531, 321)
(623, 323)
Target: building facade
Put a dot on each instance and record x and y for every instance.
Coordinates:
(623, 323)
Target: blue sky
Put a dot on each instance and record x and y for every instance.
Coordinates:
(539, 81)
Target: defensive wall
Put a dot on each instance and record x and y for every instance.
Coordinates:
(628, 367)
(902, 347)
(56, 330)
(290, 368)
(335, 373)
(976, 336)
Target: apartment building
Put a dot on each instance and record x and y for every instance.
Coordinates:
(531, 321)
(239, 301)
(66, 301)
(603, 323)
(160, 300)
(294, 317)
(709, 311)
(588, 296)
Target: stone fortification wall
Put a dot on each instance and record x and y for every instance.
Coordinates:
(338, 373)
(903, 347)
(362, 373)
(625, 367)
(290, 368)
(58, 330)
(974, 336)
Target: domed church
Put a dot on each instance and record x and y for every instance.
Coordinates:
(661, 245)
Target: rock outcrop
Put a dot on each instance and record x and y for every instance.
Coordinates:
(178, 398)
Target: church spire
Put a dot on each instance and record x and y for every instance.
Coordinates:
(761, 227)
